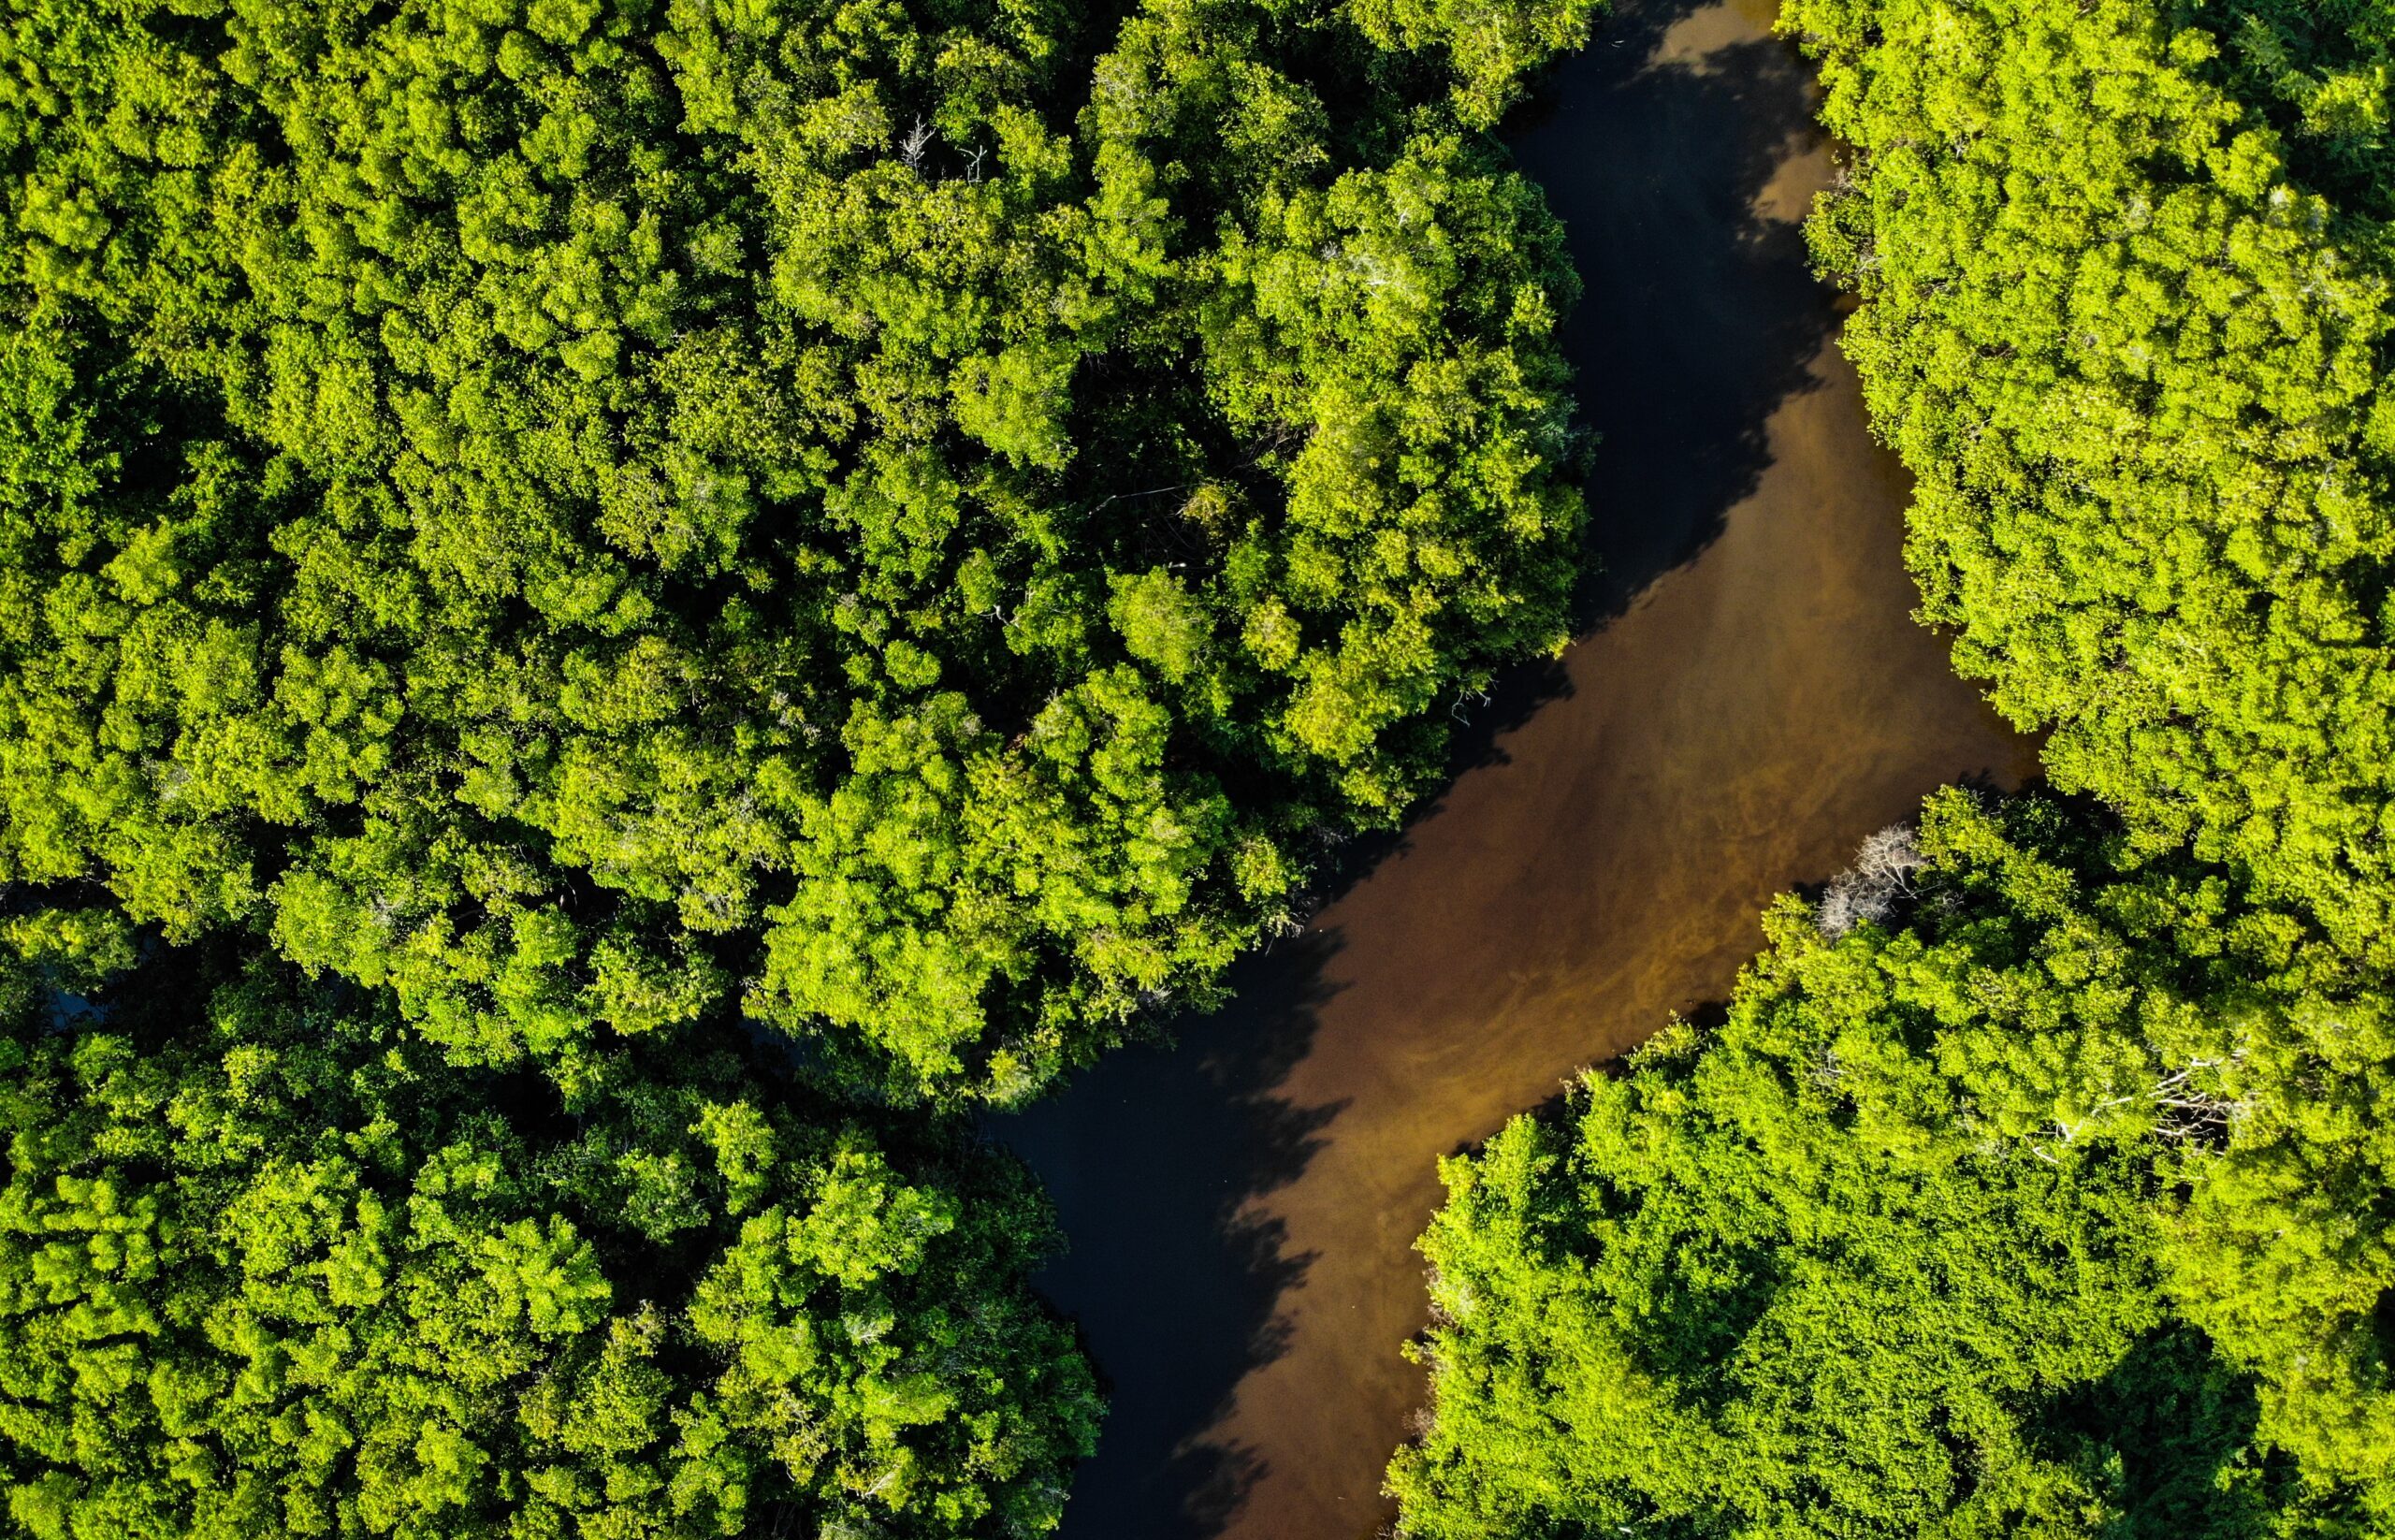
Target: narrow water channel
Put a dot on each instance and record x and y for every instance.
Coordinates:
(1751, 699)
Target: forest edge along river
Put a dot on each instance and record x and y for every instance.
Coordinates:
(1752, 698)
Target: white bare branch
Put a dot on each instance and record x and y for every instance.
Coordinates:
(1868, 890)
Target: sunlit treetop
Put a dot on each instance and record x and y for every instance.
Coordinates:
(2126, 296)
(2039, 1195)
(918, 519)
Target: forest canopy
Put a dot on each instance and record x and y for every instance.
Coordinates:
(917, 519)
(269, 1267)
(609, 610)
(2126, 292)
(604, 603)
(2035, 1200)
(2035, 1181)
(2125, 278)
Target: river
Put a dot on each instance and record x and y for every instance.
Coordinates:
(1751, 699)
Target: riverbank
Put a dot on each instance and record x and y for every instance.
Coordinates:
(1753, 698)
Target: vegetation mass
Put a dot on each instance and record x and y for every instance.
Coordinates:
(915, 520)
(2046, 1211)
(2136, 358)
(268, 1267)
(609, 609)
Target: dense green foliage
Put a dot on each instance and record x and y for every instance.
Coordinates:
(2046, 1211)
(269, 1268)
(916, 516)
(2126, 275)
(2128, 283)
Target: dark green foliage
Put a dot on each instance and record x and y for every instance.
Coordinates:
(269, 1268)
(2138, 362)
(1972, 1226)
(2319, 72)
(916, 518)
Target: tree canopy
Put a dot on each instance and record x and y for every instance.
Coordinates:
(2040, 1205)
(533, 530)
(269, 1267)
(2126, 281)
(916, 518)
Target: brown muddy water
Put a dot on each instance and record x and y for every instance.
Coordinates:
(1753, 698)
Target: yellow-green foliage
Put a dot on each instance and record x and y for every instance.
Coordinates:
(2138, 364)
(2126, 272)
(914, 517)
(269, 1268)
(2054, 1210)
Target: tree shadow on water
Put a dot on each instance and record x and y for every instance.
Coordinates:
(1152, 1159)
(1698, 316)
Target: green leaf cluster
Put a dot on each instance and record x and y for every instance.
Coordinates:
(917, 516)
(2045, 1209)
(270, 1268)
(2125, 278)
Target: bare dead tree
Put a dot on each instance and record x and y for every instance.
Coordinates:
(2186, 1111)
(1868, 890)
(2191, 1113)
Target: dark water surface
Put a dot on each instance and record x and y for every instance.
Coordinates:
(1753, 698)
